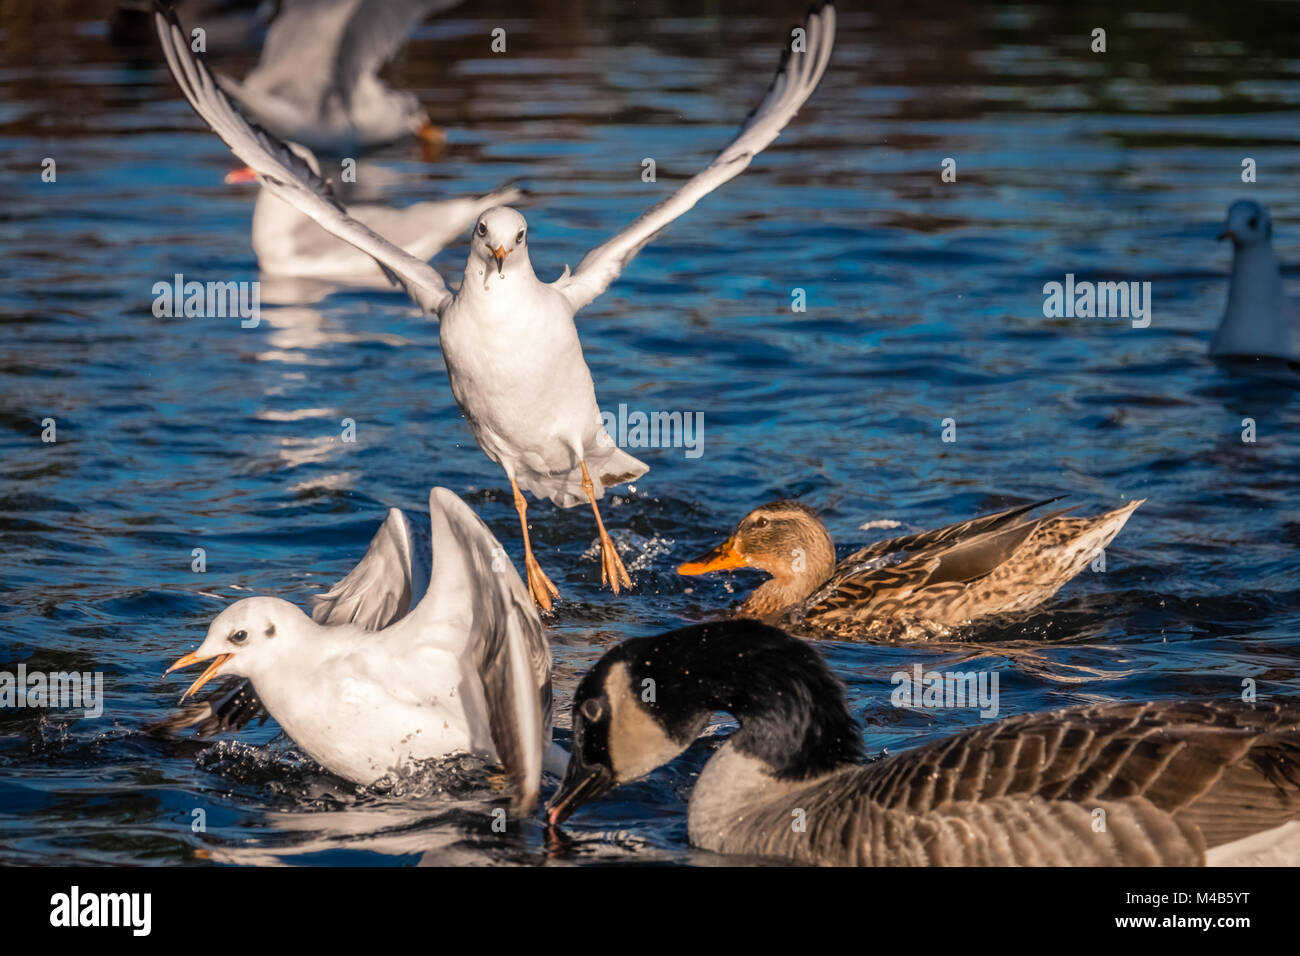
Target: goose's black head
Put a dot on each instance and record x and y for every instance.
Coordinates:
(646, 700)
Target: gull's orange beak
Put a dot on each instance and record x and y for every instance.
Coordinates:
(245, 175)
(721, 558)
(430, 134)
(499, 254)
(207, 675)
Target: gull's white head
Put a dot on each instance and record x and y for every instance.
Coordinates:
(1248, 223)
(498, 247)
(246, 638)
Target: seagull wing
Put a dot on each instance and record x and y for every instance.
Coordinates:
(302, 46)
(374, 33)
(286, 174)
(476, 598)
(386, 583)
(795, 80)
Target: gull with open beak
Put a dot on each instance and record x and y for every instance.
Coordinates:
(511, 347)
(317, 82)
(290, 243)
(430, 646)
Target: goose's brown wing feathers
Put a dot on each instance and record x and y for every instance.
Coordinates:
(1213, 771)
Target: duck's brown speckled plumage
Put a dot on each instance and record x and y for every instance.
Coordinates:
(912, 586)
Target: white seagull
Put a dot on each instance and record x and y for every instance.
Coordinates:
(429, 646)
(317, 82)
(290, 243)
(513, 357)
(1260, 320)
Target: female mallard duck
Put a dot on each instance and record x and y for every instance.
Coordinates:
(937, 580)
(1172, 782)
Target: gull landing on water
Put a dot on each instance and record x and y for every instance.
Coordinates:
(429, 646)
(1260, 321)
(512, 352)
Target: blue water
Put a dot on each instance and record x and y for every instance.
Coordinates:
(924, 302)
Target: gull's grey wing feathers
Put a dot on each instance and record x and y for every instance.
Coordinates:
(795, 80)
(302, 46)
(284, 173)
(387, 582)
(374, 33)
(477, 600)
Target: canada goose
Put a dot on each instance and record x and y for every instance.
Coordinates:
(1115, 783)
(938, 580)
(1260, 320)
(429, 646)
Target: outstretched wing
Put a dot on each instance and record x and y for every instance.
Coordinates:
(286, 174)
(476, 598)
(797, 77)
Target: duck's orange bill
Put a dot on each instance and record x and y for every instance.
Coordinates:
(244, 175)
(721, 558)
(207, 675)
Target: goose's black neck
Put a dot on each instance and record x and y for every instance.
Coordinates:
(790, 707)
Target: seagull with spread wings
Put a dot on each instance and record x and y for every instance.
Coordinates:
(428, 647)
(513, 357)
(317, 82)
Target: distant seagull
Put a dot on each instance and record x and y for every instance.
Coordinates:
(428, 647)
(289, 243)
(513, 357)
(317, 82)
(1260, 320)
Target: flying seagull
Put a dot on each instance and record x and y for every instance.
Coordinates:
(511, 347)
(317, 82)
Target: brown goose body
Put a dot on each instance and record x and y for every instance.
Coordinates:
(1128, 783)
(911, 586)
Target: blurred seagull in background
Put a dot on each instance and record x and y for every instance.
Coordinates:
(317, 82)
(290, 243)
(1260, 320)
(513, 357)
(429, 646)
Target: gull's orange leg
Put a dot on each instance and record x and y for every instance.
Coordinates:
(612, 571)
(539, 585)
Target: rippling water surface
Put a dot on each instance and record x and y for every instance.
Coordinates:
(924, 302)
